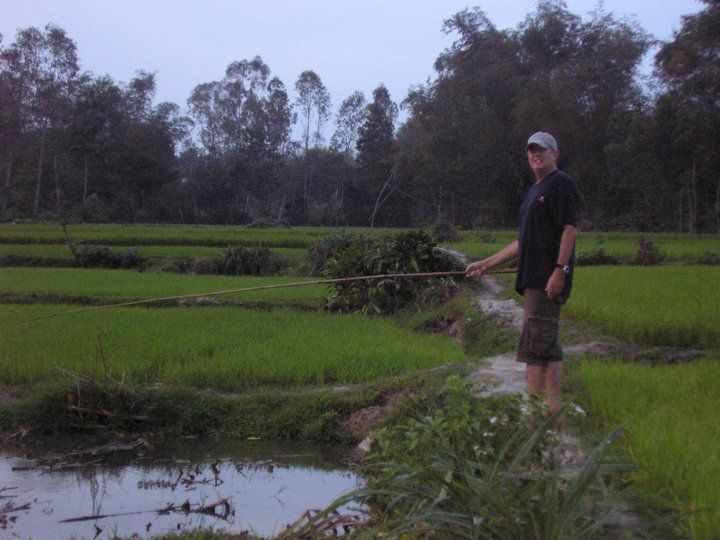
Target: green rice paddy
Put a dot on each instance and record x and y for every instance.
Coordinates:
(670, 413)
(650, 305)
(225, 348)
(61, 251)
(133, 285)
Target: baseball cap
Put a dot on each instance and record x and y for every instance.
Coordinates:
(543, 140)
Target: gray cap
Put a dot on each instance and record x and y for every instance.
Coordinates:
(543, 140)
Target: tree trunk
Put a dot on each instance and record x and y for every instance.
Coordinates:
(85, 181)
(379, 202)
(38, 183)
(717, 207)
(8, 181)
(692, 200)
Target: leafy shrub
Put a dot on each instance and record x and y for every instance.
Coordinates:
(268, 223)
(320, 253)
(241, 260)
(478, 468)
(444, 231)
(647, 254)
(406, 253)
(102, 257)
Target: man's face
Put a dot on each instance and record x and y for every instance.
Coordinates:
(542, 161)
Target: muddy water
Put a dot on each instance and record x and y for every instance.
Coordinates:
(266, 486)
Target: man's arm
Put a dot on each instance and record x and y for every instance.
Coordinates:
(557, 279)
(506, 254)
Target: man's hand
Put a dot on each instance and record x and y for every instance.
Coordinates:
(476, 269)
(555, 284)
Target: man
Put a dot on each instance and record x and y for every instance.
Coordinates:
(545, 251)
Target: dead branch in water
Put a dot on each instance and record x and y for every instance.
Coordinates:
(185, 508)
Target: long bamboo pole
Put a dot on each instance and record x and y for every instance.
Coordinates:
(259, 288)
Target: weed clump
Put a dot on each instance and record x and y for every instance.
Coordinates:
(102, 257)
(444, 231)
(408, 252)
(478, 468)
(647, 254)
(248, 261)
(322, 252)
(598, 256)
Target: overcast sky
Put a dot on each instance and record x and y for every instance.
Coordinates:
(351, 44)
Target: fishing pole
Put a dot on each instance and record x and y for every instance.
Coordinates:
(258, 288)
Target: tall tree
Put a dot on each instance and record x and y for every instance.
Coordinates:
(376, 151)
(348, 120)
(690, 68)
(313, 102)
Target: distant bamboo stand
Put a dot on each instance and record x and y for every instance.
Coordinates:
(260, 288)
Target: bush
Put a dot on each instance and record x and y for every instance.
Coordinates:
(647, 254)
(406, 253)
(444, 231)
(102, 257)
(322, 252)
(472, 468)
(252, 261)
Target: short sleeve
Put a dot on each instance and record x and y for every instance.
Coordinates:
(566, 202)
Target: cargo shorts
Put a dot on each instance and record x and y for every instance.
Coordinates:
(539, 337)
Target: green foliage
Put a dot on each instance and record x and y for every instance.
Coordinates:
(407, 252)
(646, 253)
(95, 285)
(444, 231)
(669, 413)
(321, 253)
(664, 305)
(472, 468)
(247, 261)
(598, 256)
(102, 257)
(460, 318)
(224, 348)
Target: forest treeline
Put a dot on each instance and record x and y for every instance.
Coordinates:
(643, 152)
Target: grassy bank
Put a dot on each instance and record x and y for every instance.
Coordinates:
(220, 348)
(670, 415)
(668, 305)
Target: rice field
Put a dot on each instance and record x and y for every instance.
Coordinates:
(61, 251)
(226, 348)
(650, 305)
(186, 235)
(670, 413)
(623, 246)
(112, 285)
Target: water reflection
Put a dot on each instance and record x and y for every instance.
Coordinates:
(265, 486)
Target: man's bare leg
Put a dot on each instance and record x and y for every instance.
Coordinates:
(553, 386)
(546, 380)
(535, 379)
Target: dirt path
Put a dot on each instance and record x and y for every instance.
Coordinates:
(501, 374)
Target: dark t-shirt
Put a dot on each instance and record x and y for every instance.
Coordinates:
(550, 204)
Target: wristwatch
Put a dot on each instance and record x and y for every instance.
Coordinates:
(564, 267)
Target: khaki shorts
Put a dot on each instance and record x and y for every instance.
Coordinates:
(539, 338)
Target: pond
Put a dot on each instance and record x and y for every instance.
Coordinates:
(136, 489)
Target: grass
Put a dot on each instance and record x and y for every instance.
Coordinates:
(672, 246)
(205, 235)
(670, 415)
(215, 347)
(133, 285)
(61, 251)
(657, 305)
